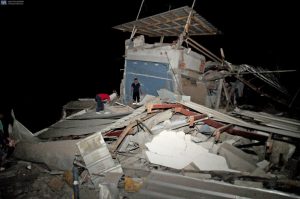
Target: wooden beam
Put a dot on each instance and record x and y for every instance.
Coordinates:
(220, 130)
(125, 132)
(150, 107)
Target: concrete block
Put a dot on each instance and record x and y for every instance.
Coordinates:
(237, 159)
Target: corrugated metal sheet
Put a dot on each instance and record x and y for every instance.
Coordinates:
(170, 23)
(74, 105)
(167, 185)
(76, 127)
(97, 158)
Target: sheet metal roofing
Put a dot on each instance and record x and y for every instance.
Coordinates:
(170, 23)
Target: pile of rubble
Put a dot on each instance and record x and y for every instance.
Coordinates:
(168, 150)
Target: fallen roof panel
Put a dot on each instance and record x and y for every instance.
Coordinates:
(231, 120)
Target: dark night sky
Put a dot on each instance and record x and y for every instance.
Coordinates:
(55, 52)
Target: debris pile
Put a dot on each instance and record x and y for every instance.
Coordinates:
(126, 152)
(171, 146)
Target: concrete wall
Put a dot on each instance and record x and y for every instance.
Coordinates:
(154, 77)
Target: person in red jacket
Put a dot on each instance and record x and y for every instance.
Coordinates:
(100, 99)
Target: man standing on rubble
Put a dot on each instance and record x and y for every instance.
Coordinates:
(136, 91)
(101, 98)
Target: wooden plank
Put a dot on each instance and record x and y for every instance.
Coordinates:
(150, 107)
(126, 131)
(220, 130)
(219, 92)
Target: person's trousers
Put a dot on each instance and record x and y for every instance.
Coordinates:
(100, 105)
(136, 96)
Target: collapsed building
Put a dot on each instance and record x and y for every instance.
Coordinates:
(199, 74)
(176, 143)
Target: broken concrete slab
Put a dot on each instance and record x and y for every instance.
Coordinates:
(146, 99)
(198, 137)
(139, 138)
(168, 96)
(236, 158)
(260, 173)
(21, 133)
(260, 151)
(80, 104)
(52, 133)
(158, 118)
(93, 115)
(82, 123)
(191, 167)
(169, 124)
(263, 164)
(119, 109)
(76, 127)
(283, 149)
(211, 146)
(137, 161)
(168, 147)
(57, 155)
(233, 139)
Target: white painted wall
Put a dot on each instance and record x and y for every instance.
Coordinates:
(193, 60)
(166, 53)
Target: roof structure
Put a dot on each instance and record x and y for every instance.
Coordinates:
(170, 23)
